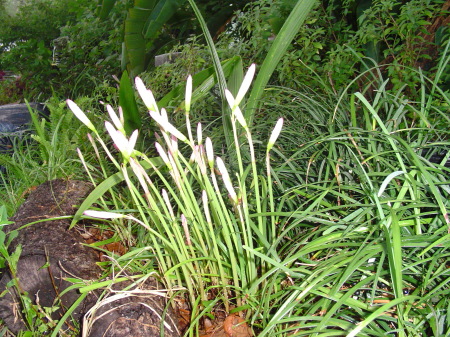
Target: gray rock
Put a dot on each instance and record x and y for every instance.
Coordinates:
(15, 121)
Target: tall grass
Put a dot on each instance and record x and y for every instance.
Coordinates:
(44, 152)
(381, 217)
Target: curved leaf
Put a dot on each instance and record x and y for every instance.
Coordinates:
(106, 185)
(134, 41)
(276, 52)
(162, 12)
(104, 8)
(128, 103)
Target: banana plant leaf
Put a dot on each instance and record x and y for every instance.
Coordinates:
(142, 26)
(134, 48)
(104, 8)
(163, 11)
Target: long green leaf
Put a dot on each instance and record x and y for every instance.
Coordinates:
(276, 52)
(106, 185)
(162, 12)
(377, 313)
(226, 120)
(127, 101)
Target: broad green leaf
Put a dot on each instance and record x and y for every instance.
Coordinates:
(127, 101)
(280, 45)
(235, 78)
(162, 12)
(104, 8)
(134, 42)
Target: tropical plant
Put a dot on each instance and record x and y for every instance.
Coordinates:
(145, 22)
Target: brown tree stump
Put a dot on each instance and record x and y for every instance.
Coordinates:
(51, 252)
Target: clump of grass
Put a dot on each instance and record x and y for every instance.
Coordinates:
(203, 238)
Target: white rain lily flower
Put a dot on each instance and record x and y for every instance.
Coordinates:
(245, 84)
(199, 133)
(140, 172)
(115, 119)
(209, 152)
(275, 133)
(163, 155)
(230, 98)
(132, 142)
(235, 109)
(80, 115)
(168, 204)
(110, 215)
(122, 120)
(226, 179)
(167, 126)
(206, 207)
(199, 157)
(188, 93)
(173, 146)
(146, 95)
(240, 117)
(193, 155)
(104, 215)
(125, 146)
(186, 230)
(164, 115)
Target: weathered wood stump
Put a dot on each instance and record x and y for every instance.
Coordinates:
(51, 252)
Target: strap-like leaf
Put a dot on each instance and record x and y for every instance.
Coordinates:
(104, 8)
(129, 106)
(276, 52)
(162, 12)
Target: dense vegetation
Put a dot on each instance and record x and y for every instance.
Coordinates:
(333, 224)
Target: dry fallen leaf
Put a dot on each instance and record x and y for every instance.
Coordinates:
(235, 326)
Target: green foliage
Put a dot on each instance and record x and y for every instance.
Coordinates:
(48, 152)
(131, 115)
(35, 20)
(344, 232)
(397, 30)
(149, 24)
(335, 38)
(26, 41)
(11, 90)
(73, 48)
(320, 233)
